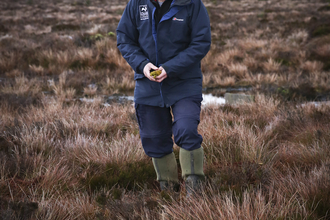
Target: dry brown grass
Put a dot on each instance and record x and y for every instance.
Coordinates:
(249, 205)
(271, 66)
(312, 66)
(259, 155)
(261, 41)
(64, 157)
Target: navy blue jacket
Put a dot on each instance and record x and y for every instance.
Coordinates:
(180, 41)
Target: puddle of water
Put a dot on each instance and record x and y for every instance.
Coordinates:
(86, 100)
(209, 99)
(316, 104)
(120, 99)
(228, 89)
(5, 37)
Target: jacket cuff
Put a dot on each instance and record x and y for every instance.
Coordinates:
(166, 70)
(142, 65)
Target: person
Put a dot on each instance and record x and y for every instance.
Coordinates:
(172, 36)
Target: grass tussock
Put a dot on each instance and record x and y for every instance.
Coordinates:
(261, 39)
(64, 154)
(88, 156)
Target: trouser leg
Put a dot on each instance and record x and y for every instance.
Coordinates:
(186, 114)
(186, 119)
(155, 125)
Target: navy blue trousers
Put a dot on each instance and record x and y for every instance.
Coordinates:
(157, 126)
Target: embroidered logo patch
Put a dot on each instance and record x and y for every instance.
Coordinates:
(144, 12)
(177, 19)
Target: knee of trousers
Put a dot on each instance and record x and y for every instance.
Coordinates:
(186, 135)
(157, 146)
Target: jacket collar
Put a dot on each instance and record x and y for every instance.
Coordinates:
(182, 2)
(175, 2)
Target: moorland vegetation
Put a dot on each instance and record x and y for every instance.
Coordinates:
(67, 154)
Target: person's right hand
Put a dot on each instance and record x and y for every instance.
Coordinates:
(146, 71)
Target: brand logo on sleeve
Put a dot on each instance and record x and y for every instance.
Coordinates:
(144, 12)
(177, 19)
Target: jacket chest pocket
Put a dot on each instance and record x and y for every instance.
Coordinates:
(180, 30)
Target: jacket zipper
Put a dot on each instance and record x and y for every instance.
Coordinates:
(156, 41)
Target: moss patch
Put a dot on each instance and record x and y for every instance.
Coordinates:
(20, 102)
(238, 176)
(127, 175)
(324, 8)
(304, 91)
(320, 30)
(326, 66)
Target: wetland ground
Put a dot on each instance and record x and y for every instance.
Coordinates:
(63, 158)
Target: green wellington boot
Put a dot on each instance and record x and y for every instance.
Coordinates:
(167, 172)
(192, 169)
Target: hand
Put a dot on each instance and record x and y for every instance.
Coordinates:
(146, 71)
(162, 76)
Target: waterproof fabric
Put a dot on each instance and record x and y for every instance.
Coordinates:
(180, 41)
(156, 126)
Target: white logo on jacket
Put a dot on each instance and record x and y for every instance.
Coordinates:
(177, 19)
(144, 15)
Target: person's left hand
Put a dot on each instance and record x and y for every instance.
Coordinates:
(162, 76)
